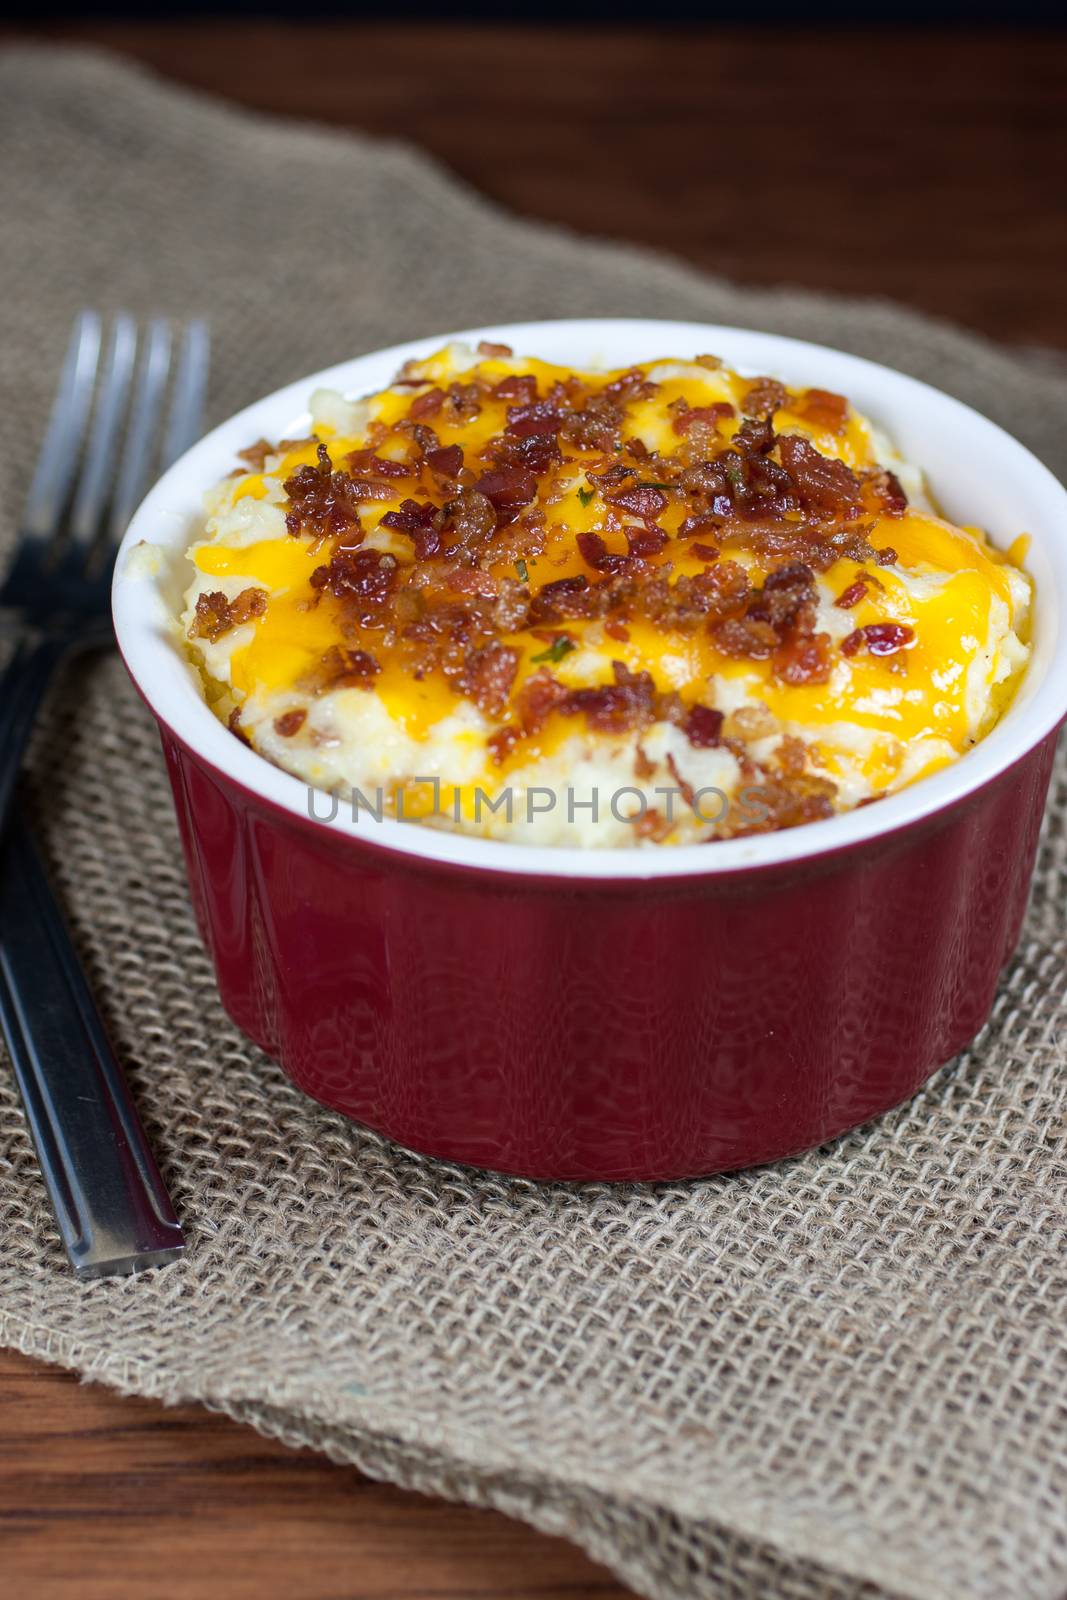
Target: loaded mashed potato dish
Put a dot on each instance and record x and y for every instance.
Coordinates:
(654, 606)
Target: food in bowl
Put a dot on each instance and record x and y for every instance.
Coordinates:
(636, 1014)
(652, 606)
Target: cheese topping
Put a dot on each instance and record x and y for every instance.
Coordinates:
(681, 602)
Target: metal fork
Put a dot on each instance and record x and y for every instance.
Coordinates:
(110, 1202)
(59, 585)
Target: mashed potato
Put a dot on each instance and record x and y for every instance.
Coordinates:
(599, 609)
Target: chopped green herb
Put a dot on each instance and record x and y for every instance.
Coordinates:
(556, 651)
(522, 570)
(650, 484)
(585, 495)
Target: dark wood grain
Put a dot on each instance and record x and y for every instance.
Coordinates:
(104, 1498)
(923, 166)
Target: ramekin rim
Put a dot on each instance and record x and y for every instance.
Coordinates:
(148, 645)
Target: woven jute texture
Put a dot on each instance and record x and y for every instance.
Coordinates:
(843, 1376)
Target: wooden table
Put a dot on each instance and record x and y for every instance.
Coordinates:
(922, 166)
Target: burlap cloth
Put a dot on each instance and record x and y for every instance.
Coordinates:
(842, 1376)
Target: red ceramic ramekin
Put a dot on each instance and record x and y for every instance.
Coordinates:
(616, 1014)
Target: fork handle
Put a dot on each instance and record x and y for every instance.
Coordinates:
(22, 687)
(113, 1211)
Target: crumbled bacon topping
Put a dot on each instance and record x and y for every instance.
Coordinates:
(322, 501)
(764, 398)
(852, 595)
(487, 676)
(480, 514)
(426, 405)
(256, 454)
(363, 579)
(216, 615)
(879, 639)
(685, 416)
(508, 489)
(703, 727)
(823, 409)
(342, 668)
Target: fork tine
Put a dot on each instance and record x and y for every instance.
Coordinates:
(187, 404)
(144, 421)
(94, 484)
(66, 427)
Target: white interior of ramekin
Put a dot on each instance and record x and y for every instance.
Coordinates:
(978, 474)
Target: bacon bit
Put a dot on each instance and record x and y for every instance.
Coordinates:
(536, 453)
(852, 595)
(365, 489)
(643, 767)
(651, 824)
(880, 639)
(703, 727)
(539, 697)
(631, 385)
(508, 489)
(822, 483)
(446, 461)
(341, 668)
(424, 436)
(595, 427)
(685, 415)
(465, 401)
(646, 541)
(792, 756)
(561, 598)
(365, 463)
(890, 492)
(367, 576)
(644, 501)
(487, 676)
(627, 703)
(617, 630)
(704, 552)
(426, 405)
(776, 622)
(787, 803)
(540, 416)
(887, 557)
(692, 527)
(595, 554)
(417, 520)
(215, 615)
(823, 409)
(764, 398)
(323, 502)
(516, 387)
(486, 347)
(685, 789)
(746, 637)
(470, 521)
(233, 722)
(256, 454)
(290, 723)
(805, 659)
